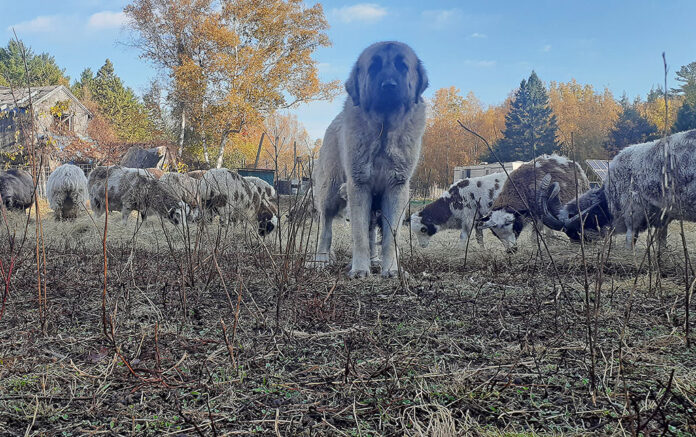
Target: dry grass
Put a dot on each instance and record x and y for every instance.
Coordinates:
(494, 347)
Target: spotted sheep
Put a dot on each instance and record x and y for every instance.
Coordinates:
(225, 193)
(632, 198)
(134, 190)
(264, 188)
(465, 203)
(16, 189)
(186, 188)
(517, 205)
(66, 190)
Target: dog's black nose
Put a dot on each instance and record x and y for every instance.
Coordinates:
(389, 84)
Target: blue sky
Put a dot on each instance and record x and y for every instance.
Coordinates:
(486, 47)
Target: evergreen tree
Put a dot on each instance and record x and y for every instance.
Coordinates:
(687, 76)
(43, 69)
(686, 118)
(630, 128)
(116, 102)
(530, 125)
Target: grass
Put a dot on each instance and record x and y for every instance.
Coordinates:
(493, 347)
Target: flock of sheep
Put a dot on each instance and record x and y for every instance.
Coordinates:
(176, 197)
(649, 185)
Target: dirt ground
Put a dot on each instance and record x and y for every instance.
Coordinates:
(203, 333)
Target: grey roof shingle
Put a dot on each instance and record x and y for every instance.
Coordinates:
(8, 96)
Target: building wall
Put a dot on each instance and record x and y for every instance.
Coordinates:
(42, 112)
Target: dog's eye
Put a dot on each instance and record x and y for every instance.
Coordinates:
(375, 66)
(401, 65)
(424, 230)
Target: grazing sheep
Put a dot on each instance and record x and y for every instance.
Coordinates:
(266, 189)
(185, 187)
(466, 202)
(16, 189)
(225, 193)
(632, 197)
(134, 190)
(67, 191)
(97, 182)
(513, 210)
(146, 194)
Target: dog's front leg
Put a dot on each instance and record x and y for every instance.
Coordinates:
(360, 201)
(393, 206)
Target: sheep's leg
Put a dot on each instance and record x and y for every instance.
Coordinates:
(125, 212)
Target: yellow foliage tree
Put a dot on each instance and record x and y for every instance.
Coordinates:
(445, 144)
(233, 62)
(584, 114)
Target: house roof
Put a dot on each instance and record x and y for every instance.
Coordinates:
(8, 96)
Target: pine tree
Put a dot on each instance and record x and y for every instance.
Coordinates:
(687, 76)
(530, 126)
(686, 118)
(43, 69)
(116, 102)
(630, 128)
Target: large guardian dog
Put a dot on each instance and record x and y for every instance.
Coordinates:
(373, 146)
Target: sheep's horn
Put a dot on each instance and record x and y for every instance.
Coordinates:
(546, 194)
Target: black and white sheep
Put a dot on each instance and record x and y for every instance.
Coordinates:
(517, 205)
(186, 187)
(67, 191)
(16, 189)
(266, 189)
(465, 203)
(634, 196)
(132, 190)
(225, 193)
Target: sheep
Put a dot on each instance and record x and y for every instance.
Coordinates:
(224, 192)
(144, 194)
(514, 209)
(460, 207)
(634, 196)
(66, 190)
(16, 189)
(132, 190)
(266, 189)
(186, 187)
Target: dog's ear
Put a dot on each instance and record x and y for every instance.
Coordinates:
(422, 82)
(353, 85)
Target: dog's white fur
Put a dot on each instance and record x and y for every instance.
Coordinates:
(374, 151)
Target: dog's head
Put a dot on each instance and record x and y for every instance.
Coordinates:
(387, 76)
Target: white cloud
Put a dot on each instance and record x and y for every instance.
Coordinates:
(106, 20)
(440, 18)
(366, 12)
(478, 35)
(43, 23)
(546, 48)
(480, 63)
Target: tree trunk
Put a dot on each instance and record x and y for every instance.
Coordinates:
(181, 134)
(206, 156)
(221, 152)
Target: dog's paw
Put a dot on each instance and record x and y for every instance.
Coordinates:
(394, 274)
(320, 261)
(358, 274)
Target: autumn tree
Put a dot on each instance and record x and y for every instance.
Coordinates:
(117, 103)
(287, 141)
(586, 115)
(530, 125)
(43, 70)
(233, 62)
(445, 144)
(654, 109)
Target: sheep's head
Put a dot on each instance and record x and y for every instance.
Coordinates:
(177, 215)
(506, 225)
(267, 218)
(423, 229)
